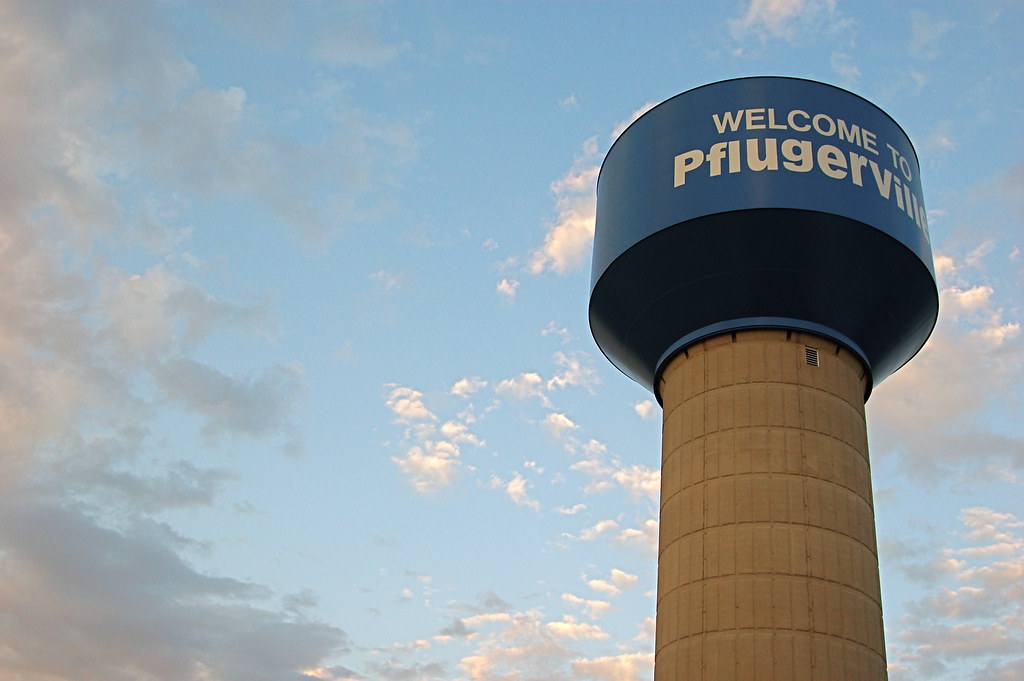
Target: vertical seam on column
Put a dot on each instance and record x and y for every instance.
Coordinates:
(807, 539)
(704, 519)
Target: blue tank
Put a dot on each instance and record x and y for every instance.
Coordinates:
(764, 202)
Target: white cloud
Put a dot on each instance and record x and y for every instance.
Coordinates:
(846, 68)
(468, 386)
(457, 433)
(159, 312)
(568, 240)
(390, 281)
(508, 288)
(624, 667)
(356, 42)
(109, 134)
(976, 609)
(637, 480)
(774, 18)
(553, 329)
(621, 126)
(430, 465)
(929, 410)
(618, 581)
(623, 579)
(528, 384)
(593, 608)
(570, 628)
(569, 103)
(433, 456)
(407, 404)
(484, 619)
(794, 20)
(644, 537)
(644, 409)
(574, 373)
(599, 528)
(517, 490)
(647, 630)
(572, 510)
(603, 586)
(559, 424)
(925, 34)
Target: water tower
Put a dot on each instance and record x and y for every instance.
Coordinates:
(761, 261)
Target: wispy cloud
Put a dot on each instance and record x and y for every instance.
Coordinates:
(974, 609)
(567, 242)
(785, 19)
(508, 288)
(928, 411)
(925, 34)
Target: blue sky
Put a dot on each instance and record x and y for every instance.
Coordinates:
(296, 375)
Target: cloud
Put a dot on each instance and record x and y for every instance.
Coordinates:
(623, 579)
(638, 480)
(158, 312)
(601, 527)
(559, 425)
(619, 581)
(929, 412)
(624, 667)
(98, 110)
(390, 281)
(456, 433)
(567, 242)
(975, 609)
(354, 41)
(800, 21)
(98, 603)
(433, 454)
(846, 68)
(570, 628)
(771, 18)
(407, 404)
(255, 406)
(136, 135)
(516, 490)
(925, 34)
(393, 670)
(644, 537)
(573, 374)
(644, 409)
(523, 648)
(430, 465)
(508, 288)
(528, 646)
(569, 103)
(594, 608)
(467, 386)
(528, 384)
(555, 330)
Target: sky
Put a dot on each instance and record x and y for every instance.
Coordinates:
(296, 378)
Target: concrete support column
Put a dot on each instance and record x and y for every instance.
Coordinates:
(767, 566)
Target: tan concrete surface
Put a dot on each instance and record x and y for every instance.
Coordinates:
(767, 566)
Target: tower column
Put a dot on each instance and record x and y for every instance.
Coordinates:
(767, 565)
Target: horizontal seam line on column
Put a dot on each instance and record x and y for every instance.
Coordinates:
(772, 523)
(777, 474)
(771, 629)
(795, 577)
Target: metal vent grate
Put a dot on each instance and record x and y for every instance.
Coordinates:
(811, 355)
